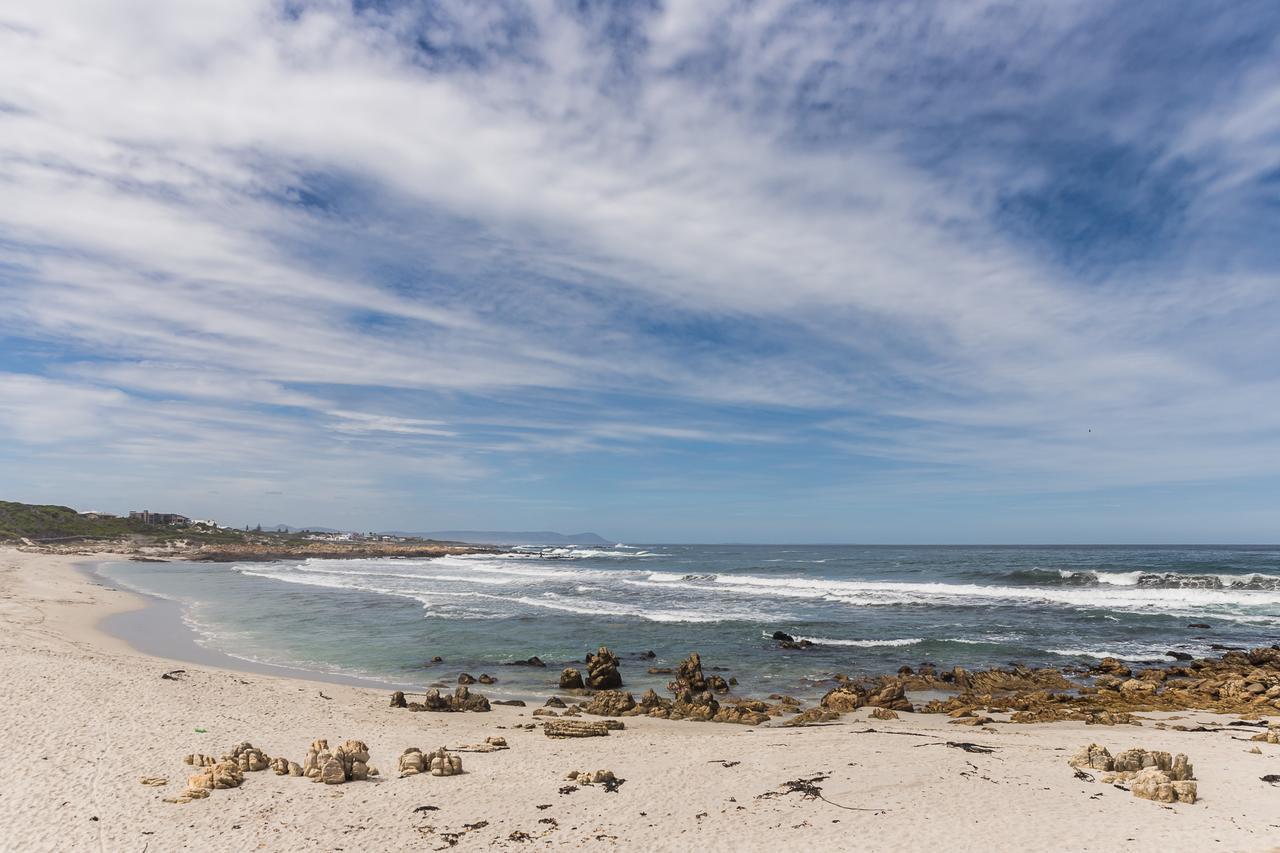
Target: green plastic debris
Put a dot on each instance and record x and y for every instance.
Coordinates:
(202, 731)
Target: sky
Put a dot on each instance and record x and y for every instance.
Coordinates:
(909, 272)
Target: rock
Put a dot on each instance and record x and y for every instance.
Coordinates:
(224, 774)
(844, 698)
(485, 678)
(1178, 655)
(1136, 686)
(884, 714)
(514, 703)
(412, 762)
(610, 703)
(1112, 666)
(444, 763)
(533, 661)
(574, 729)
(587, 777)
(466, 678)
(397, 700)
(295, 769)
(718, 684)
(1199, 625)
(650, 655)
(571, 679)
(783, 636)
(689, 675)
(1093, 757)
(280, 766)
(554, 702)
(812, 717)
(893, 697)
(660, 670)
(1151, 783)
(602, 670)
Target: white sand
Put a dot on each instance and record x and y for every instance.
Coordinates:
(84, 717)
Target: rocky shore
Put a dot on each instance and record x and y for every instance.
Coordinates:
(264, 549)
(110, 749)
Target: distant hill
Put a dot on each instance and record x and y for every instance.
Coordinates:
(508, 537)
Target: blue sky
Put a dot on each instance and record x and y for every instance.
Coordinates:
(702, 271)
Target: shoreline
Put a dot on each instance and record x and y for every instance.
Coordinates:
(91, 716)
(157, 627)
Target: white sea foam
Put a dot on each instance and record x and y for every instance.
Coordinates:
(864, 644)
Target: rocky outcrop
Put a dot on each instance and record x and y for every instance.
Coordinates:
(439, 763)
(786, 641)
(461, 699)
(844, 698)
(571, 679)
(347, 763)
(813, 716)
(574, 728)
(884, 714)
(1151, 775)
(610, 703)
(602, 670)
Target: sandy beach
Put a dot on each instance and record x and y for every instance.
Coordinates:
(86, 716)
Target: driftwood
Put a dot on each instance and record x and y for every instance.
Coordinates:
(808, 789)
(965, 745)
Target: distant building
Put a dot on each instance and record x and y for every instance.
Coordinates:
(146, 516)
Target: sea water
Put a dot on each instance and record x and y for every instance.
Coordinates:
(868, 609)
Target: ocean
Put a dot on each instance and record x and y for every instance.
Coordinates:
(868, 609)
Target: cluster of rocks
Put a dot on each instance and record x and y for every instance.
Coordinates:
(694, 699)
(218, 773)
(439, 763)
(468, 678)
(347, 763)
(1151, 775)
(1108, 693)
(461, 699)
(587, 777)
(849, 695)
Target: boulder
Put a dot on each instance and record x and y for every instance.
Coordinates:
(602, 670)
(884, 714)
(398, 701)
(812, 717)
(571, 679)
(466, 678)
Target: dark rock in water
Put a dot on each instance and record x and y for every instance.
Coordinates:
(514, 703)
(783, 636)
(1199, 625)
(602, 670)
(437, 659)
(905, 670)
(397, 700)
(554, 702)
(466, 678)
(796, 644)
(649, 654)
(533, 661)
(660, 670)
(717, 683)
(1178, 655)
(485, 678)
(571, 679)
(733, 681)
(1217, 647)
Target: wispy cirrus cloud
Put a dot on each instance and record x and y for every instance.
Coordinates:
(532, 245)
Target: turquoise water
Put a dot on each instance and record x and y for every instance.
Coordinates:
(868, 609)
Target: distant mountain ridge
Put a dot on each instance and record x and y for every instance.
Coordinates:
(509, 537)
